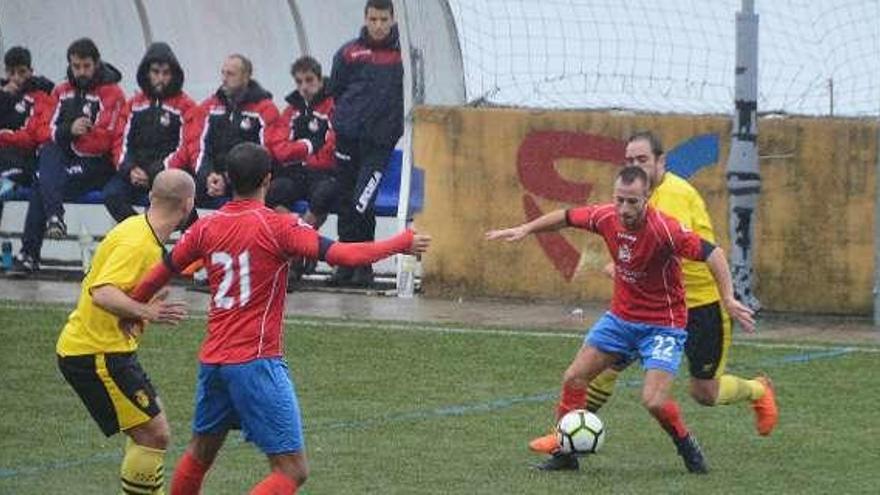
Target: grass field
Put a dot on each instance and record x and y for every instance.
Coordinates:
(390, 409)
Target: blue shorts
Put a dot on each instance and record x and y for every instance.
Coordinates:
(258, 397)
(659, 348)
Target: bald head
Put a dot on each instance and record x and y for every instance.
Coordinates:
(172, 189)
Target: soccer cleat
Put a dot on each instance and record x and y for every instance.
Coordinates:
(341, 277)
(56, 228)
(766, 411)
(193, 267)
(23, 266)
(690, 452)
(559, 462)
(547, 444)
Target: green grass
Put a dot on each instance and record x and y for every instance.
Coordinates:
(403, 412)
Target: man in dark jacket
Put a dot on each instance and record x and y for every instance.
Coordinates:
(77, 159)
(240, 111)
(367, 84)
(152, 129)
(25, 109)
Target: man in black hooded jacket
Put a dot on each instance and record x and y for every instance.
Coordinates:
(152, 130)
(77, 159)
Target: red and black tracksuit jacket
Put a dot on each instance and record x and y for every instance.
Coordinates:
(218, 124)
(101, 102)
(290, 148)
(26, 115)
(154, 126)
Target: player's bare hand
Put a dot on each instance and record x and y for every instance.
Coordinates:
(509, 235)
(139, 177)
(10, 87)
(216, 185)
(741, 313)
(81, 126)
(420, 244)
(162, 311)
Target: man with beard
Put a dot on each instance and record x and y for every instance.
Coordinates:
(77, 159)
(153, 126)
(25, 106)
(239, 111)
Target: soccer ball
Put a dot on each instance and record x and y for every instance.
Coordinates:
(580, 432)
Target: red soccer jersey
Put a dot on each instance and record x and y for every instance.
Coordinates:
(648, 284)
(246, 248)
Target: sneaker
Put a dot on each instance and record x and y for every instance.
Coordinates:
(766, 411)
(559, 462)
(23, 266)
(341, 276)
(362, 277)
(56, 228)
(690, 452)
(547, 444)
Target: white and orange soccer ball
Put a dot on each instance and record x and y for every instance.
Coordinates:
(580, 432)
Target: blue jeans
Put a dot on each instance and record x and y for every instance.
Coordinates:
(61, 177)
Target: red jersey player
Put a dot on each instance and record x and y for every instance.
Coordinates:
(648, 314)
(243, 380)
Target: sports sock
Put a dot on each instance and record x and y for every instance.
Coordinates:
(733, 389)
(600, 389)
(670, 419)
(572, 398)
(275, 484)
(142, 470)
(188, 475)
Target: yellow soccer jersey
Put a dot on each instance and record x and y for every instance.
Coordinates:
(122, 258)
(677, 198)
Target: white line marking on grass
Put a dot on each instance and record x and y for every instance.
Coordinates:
(310, 321)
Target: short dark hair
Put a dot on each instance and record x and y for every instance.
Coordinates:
(380, 5)
(84, 48)
(246, 63)
(631, 173)
(651, 138)
(306, 64)
(17, 56)
(247, 165)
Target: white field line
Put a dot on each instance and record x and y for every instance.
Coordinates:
(307, 321)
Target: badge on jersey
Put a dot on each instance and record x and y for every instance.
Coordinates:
(624, 253)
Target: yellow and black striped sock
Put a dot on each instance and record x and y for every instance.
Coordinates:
(601, 389)
(733, 389)
(142, 471)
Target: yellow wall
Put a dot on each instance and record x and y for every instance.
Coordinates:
(814, 238)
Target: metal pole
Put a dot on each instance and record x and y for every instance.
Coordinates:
(403, 276)
(743, 176)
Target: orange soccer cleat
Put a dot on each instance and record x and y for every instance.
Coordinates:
(547, 444)
(192, 268)
(766, 411)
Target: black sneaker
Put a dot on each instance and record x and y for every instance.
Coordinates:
(559, 462)
(362, 277)
(23, 266)
(690, 452)
(341, 276)
(56, 228)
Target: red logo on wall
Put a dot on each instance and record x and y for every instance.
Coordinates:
(536, 167)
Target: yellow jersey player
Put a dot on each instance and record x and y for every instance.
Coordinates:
(99, 360)
(709, 327)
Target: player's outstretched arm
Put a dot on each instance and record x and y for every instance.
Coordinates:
(362, 253)
(554, 220)
(113, 300)
(717, 263)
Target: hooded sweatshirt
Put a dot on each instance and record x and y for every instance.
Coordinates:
(154, 124)
(26, 115)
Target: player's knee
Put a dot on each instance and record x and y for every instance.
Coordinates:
(297, 470)
(653, 402)
(704, 392)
